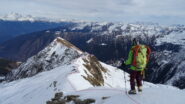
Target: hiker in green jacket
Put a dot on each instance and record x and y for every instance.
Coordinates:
(138, 58)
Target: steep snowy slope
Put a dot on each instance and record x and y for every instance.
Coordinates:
(172, 58)
(58, 53)
(59, 67)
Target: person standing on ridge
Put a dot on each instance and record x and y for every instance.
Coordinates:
(138, 58)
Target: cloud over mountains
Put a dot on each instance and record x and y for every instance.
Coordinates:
(162, 11)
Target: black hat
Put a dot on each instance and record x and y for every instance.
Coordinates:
(135, 42)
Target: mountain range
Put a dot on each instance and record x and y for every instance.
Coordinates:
(76, 77)
(24, 27)
(59, 67)
(110, 42)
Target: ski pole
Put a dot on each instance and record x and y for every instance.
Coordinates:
(125, 82)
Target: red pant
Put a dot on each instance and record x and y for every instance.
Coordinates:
(135, 75)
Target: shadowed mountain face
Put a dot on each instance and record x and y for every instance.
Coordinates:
(10, 29)
(7, 66)
(110, 42)
(25, 47)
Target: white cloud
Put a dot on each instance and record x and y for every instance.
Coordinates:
(163, 11)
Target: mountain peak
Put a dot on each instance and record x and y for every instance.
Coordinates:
(13, 16)
(67, 44)
(18, 17)
(59, 52)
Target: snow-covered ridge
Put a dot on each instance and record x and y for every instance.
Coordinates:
(130, 29)
(61, 67)
(177, 38)
(59, 52)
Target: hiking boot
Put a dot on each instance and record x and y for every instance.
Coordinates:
(140, 89)
(132, 92)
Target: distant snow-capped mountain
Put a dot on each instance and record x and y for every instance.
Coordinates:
(19, 17)
(22, 17)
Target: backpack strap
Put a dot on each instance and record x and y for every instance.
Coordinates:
(148, 53)
(135, 50)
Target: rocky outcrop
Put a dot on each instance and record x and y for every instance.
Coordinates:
(95, 69)
(60, 99)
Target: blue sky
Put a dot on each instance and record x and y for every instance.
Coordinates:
(160, 11)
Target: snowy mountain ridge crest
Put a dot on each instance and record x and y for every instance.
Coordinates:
(67, 44)
(59, 52)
